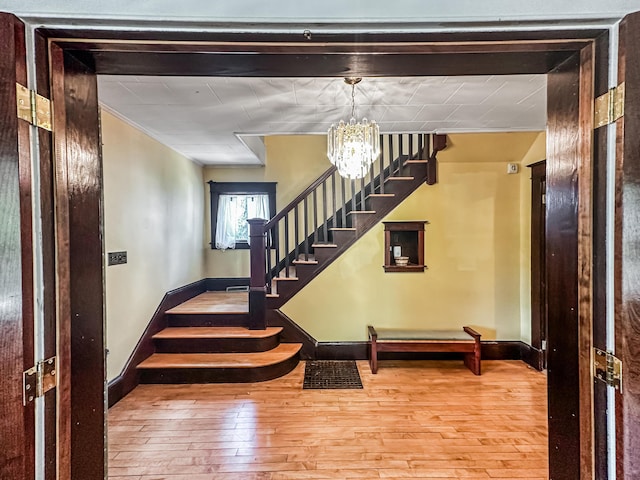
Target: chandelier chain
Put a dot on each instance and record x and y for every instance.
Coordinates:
(353, 100)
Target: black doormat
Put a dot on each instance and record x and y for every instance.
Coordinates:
(321, 374)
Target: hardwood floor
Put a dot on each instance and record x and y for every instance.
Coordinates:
(411, 420)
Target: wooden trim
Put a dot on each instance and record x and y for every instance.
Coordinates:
(490, 350)
(532, 356)
(565, 159)
(627, 235)
(45, 144)
(341, 351)
(292, 333)
(600, 267)
(221, 284)
(538, 260)
(80, 255)
(128, 379)
(585, 259)
(63, 286)
(218, 188)
(17, 458)
(483, 32)
(514, 52)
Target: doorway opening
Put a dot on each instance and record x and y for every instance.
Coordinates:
(75, 64)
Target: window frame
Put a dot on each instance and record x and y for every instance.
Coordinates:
(238, 188)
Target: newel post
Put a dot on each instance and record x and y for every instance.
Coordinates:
(257, 283)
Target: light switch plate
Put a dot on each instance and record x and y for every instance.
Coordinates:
(117, 258)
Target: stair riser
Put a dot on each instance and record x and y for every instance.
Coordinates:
(301, 271)
(340, 237)
(324, 254)
(399, 187)
(416, 170)
(362, 219)
(217, 375)
(286, 289)
(216, 345)
(380, 203)
(208, 320)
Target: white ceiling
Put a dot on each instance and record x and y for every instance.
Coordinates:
(206, 118)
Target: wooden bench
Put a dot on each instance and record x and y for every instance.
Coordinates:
(466, 341)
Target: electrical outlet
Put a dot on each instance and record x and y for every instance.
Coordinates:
(117, 258)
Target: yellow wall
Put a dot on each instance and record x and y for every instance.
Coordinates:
(294, 161)
(473, 249)
(153, 209)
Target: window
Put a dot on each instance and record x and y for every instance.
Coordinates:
(232, 203)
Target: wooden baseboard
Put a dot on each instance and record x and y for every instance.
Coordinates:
(115, 390)
(532, 356)
(128, 378)
(342, 351)
(221, 284)
(491, 350)
(292, 333)
(501, 350)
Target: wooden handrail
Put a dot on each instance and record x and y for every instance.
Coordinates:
(271, 223)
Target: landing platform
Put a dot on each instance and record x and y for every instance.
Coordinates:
(214, 302)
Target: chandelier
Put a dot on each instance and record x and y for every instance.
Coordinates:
(352, 147)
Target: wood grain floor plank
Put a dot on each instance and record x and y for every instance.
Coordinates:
(411, 420)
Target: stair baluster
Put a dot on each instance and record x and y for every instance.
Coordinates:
(344, 203)
(286, 245)
(325, 234)
(333, 195)
(305, 220)
(296, 231)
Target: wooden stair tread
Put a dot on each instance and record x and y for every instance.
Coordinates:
(324, 245)
(215, 332)
(282, 352)
(369, 212)
(416, 161)
(214, 303)
(305, 262)
(272, 295)
(401, 178)
(381, 195)
(278, 279)
(342, 229)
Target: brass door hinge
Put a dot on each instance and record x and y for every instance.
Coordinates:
(39, 380)
(608, 368)
(33, 108)
(609, 107)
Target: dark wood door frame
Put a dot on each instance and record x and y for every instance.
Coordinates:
(627, 253)
(538, 266)
(17, 423)
(568, 57)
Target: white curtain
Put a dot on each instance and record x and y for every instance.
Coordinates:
(229, 208)
(258, 206)
(233, 212)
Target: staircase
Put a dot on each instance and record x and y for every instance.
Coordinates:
(206, 341)
(332, 213)
(223, 337)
